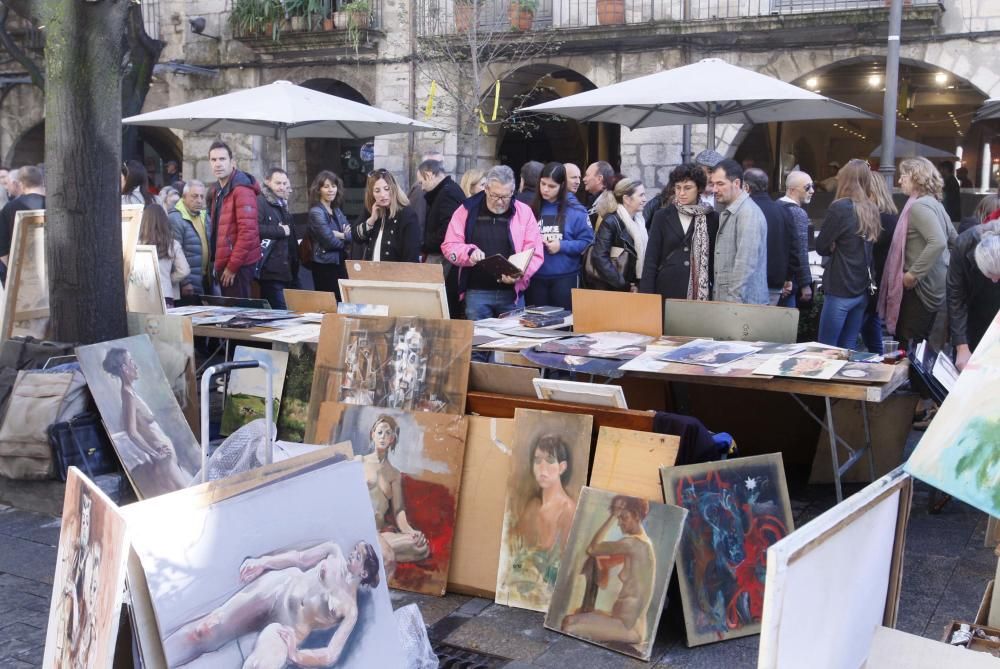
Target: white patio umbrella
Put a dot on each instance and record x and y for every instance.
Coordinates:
(710, 91)
(281, 110)
(907, 148)
(990, 109)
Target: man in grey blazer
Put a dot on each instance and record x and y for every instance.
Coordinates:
(741, 245)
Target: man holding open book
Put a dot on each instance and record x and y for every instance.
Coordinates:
(496, 243)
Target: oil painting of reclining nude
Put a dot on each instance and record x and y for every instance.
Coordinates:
(614, 571)
(413, 364)
(286, 574)
(736, 510)
(413, 468)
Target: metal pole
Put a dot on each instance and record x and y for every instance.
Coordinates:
(710, 140)
(686, 143)
(284, 147)
(887, 164)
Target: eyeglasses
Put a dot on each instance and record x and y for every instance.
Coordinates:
(499, 198)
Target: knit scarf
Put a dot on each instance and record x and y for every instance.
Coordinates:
(890, 294)
(698, 280)
(637, 230)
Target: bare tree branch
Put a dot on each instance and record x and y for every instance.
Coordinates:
(8, 42)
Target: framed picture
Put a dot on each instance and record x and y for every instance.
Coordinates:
(579, 392)
(143, 292)
(421, 300)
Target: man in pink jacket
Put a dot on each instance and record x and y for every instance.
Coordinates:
(490, 223)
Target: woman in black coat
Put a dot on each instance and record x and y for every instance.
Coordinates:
(391, 232)
(620, 238)
(679, 256)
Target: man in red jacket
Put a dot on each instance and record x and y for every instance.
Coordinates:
(233, 204)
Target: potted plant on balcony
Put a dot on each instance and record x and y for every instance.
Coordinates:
(465, 14)
(358, 14)
(610, 12)
(316, 11)
(244, 17)
(522, 14)
(296, 11)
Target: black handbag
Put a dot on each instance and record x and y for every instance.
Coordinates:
(82, 442)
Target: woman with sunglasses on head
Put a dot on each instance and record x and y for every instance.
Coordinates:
(566, 234)
(389, 230)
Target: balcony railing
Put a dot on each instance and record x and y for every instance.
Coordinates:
(446, 17)
(151, 17)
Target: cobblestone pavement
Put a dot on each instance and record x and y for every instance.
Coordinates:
(946, 570)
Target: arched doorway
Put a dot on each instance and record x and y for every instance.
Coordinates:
(544, 137)
(350, 159)
(30, 147)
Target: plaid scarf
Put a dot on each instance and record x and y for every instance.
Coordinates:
(698, 282)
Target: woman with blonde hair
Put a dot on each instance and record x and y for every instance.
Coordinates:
(390, 230)
(871, 329)
(621, 237)
(913, 284)
(473, 181)
(849, 231)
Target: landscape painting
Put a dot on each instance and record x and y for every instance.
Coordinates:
(736, 510)
(246, 395)
(414, 364)
(89, 579)
(549, 468)
(413, 468)
(614, 571)
(262, 578)
(147, 428)
(294, 408)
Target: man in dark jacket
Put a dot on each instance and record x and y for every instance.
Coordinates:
(782, 238)
(233, 207)
(530, 172)
(443, 196)
(952, 197)
(973, 288)
(279, 264)
(31, 195)
(192, 228)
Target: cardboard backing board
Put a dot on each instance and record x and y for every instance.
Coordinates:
(310, 301)
(730, 321)
(409, 272)
(423, 300)
(819, 612)
(503, 379)
(479, 523)
(608, 311)
(891, 649)
(629, 461)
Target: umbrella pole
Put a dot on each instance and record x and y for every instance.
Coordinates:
(284, 148)
(710, 143)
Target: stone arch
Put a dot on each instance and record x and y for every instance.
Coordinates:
(29, 148)
(22, 108)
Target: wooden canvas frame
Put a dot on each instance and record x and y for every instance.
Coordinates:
(821, 620)
(310, 301)
(408, 272)
(418, 300)
(730, 321)
(580, 392)
(145, 267)
(26, 271)
(131, 226)
(629, 461)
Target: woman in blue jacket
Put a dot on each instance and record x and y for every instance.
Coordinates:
(566, 234)
(329, 231)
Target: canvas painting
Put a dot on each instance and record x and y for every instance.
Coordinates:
(614, 571)
(426, 300)
(256, 580)
(548, 469)
(415, 364)
(89, 579)
(413, 467)
(143, 293)
(958, 452)
(349, 309)
(709, 353)
(150, 434)
(246, 394)
(295, 395)
(173, 341)
(801, 366)
(26, 300)
(737, 509)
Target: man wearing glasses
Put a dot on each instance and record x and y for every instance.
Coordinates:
(799, 191)
(487, 224)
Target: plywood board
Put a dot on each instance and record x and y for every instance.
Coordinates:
(730, 321)
(479, 523)
(503, 379)
(143, 291)
(993, 616)
(310, 301)
(424, 300)
(992, 533)
(629, 461)
(412, 272)
(26, 298)
(610, 311)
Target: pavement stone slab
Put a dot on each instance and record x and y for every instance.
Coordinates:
(431, 608)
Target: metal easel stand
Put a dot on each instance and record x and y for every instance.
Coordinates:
(854, 454)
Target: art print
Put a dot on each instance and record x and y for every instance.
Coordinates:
(294, 408)
(414, 364)
(173, 341)
(413, 467)
(549, 467)
(736, 510)
(709, 352)
(614, 572)
(300, 589)
(246, 394)
(615, 345)
(150, 434)
(801, 366)
(89, 579)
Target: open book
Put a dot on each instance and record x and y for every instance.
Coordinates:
(513, 266)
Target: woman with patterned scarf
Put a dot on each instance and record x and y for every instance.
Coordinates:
(681, 248)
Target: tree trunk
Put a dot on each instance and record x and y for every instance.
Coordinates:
(83, 235)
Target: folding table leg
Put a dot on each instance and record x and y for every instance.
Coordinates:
(833, 449)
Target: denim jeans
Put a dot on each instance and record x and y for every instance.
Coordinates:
(273, 292)
(871, 331)
(556, 291)
(480, 304)
(840, 322)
